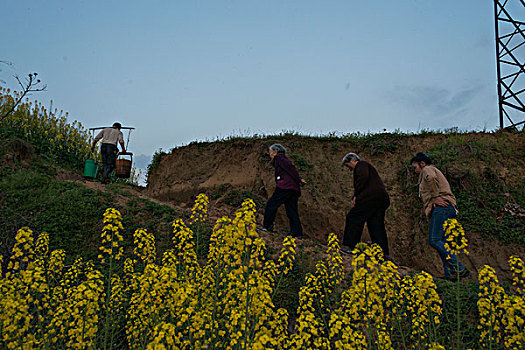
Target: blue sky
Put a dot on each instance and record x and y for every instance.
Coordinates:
(180, 71)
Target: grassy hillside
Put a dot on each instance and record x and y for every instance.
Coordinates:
(42, 157)
(70, 211)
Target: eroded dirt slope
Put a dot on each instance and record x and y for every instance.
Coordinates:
(224, 169)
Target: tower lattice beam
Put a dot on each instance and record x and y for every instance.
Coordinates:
(510, 53)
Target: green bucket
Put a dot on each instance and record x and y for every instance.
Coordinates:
(90, 168)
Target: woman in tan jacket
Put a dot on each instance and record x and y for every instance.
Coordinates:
(439, 204)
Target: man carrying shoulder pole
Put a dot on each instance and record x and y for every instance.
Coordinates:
(109, 150)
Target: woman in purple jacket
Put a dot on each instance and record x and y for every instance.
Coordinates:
(287, 191)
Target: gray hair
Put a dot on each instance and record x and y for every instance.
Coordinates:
(349, 157)
(278, 147)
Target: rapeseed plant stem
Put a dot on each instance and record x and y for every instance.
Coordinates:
(491, 328)
(320, 308)
(458, 315)
(108, 294)
(402, 333)
(110, 236)
(456, 243)
(247, 289)
(367, 310)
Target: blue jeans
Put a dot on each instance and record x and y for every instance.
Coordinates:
(436, 238)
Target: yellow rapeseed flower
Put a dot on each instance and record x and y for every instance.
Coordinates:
(518, 273)
(455, 238)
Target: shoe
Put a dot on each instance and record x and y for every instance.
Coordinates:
(462, 274)
(346, 251)
(299, 238)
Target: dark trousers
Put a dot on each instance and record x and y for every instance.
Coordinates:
(373, 213)
(289, 198)
(109, 157)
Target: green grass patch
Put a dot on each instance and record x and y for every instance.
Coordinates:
(67, 211)
(469, 317)
(71, 213)
(300, 162)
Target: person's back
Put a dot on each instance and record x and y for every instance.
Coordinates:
(368, 184)
(110, 136)
(369, 204)
(432, 184)
(286, 175)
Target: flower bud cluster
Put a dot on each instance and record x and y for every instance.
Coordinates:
(23, 251)
(199, 212)
(518, 274)
(184, 251)
(144, 246)
(455, 239)
(491, 296)
(502, 315)
(111, 237)
(287, 256)
(420, 304)
(42, 247)
(56, 262)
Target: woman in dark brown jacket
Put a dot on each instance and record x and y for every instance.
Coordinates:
(370, 201)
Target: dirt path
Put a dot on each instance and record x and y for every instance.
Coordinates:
(95, 185)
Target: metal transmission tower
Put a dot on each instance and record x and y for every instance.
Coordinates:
(510, 55)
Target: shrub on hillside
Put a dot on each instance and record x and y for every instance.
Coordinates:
(48, 131)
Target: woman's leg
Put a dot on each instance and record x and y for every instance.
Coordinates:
(292, 212)
(376, 229)
(272, 205)
(355, 222)
(436, 238)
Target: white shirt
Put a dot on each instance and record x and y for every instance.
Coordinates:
(110, 135)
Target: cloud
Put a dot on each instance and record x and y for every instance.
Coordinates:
(434, 101)
(142, 161)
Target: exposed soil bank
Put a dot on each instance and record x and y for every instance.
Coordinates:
(223, 170)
